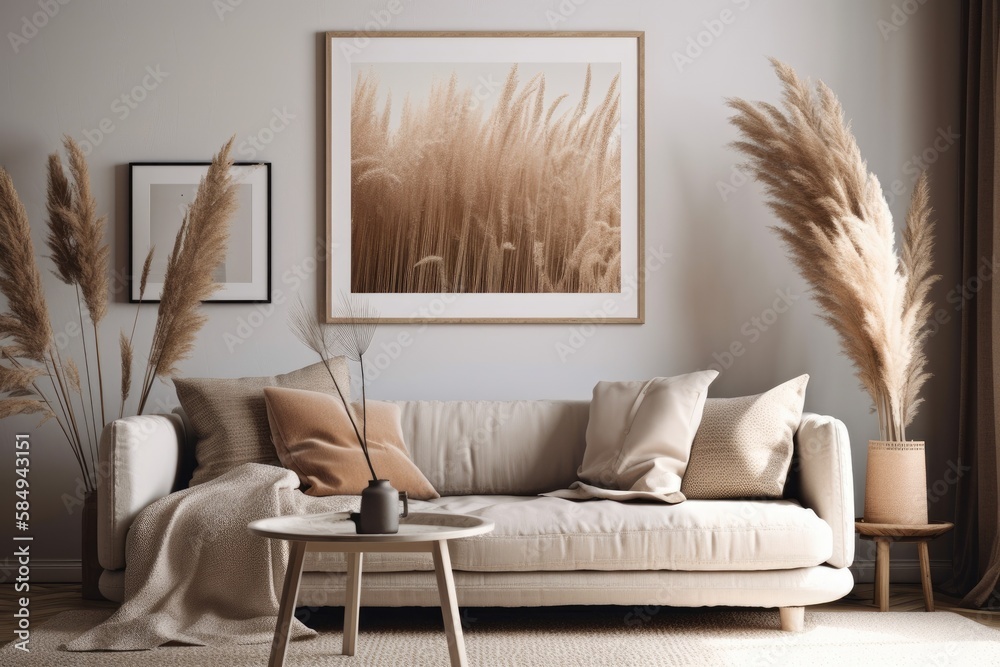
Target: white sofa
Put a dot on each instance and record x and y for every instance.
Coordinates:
(492, 459)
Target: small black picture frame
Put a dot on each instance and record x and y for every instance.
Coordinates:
(159, 193)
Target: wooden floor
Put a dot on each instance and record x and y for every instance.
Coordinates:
(48, 600)
(908, 597)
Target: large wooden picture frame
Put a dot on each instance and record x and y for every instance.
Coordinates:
(486, 176)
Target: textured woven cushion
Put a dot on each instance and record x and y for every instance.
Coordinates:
(744, 445)
(313, 436)
(229, 417)
(639, 438)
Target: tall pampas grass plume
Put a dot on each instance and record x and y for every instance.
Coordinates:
(39, 377)
(836, 225)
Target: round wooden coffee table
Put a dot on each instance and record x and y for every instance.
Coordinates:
(884, 534)
(419, 532)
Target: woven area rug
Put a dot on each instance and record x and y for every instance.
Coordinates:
(632, 637)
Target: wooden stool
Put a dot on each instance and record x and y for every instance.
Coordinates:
(884, 534)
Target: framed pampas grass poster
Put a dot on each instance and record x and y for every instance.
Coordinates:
(486, 176)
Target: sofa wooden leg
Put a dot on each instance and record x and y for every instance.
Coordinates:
(793, 619)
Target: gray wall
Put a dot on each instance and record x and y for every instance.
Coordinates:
(260, 65)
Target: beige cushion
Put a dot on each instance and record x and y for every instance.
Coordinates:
(744, 445)
(639, 438)
(543, 533)
(314, 437)
(229, 417)
(512, 447)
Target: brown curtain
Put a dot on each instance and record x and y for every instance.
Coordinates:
(977, 538)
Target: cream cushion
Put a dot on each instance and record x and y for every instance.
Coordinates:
(503, 447)
(744, 445)
(544, 533)
(229, 417)
(639, 438)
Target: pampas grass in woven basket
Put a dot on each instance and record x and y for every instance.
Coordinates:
(838, 230)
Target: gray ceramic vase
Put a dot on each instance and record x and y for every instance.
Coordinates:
(380, 509)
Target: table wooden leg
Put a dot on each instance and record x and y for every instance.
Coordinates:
(875, 600)
(352, 602)
(882, 574)
(449, 603)
(925, 576)
(289, 594)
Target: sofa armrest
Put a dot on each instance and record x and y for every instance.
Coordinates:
(140, 459)
(826, 480)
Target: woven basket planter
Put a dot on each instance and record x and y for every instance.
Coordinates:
(896, 483)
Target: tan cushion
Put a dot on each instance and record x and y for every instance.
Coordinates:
(229, 417)
(543, 533)
(744, 445)
(314, 437)
(639, 438)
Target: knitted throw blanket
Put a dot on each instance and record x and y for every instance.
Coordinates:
(196, 575)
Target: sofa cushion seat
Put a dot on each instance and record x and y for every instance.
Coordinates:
(548, 534)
